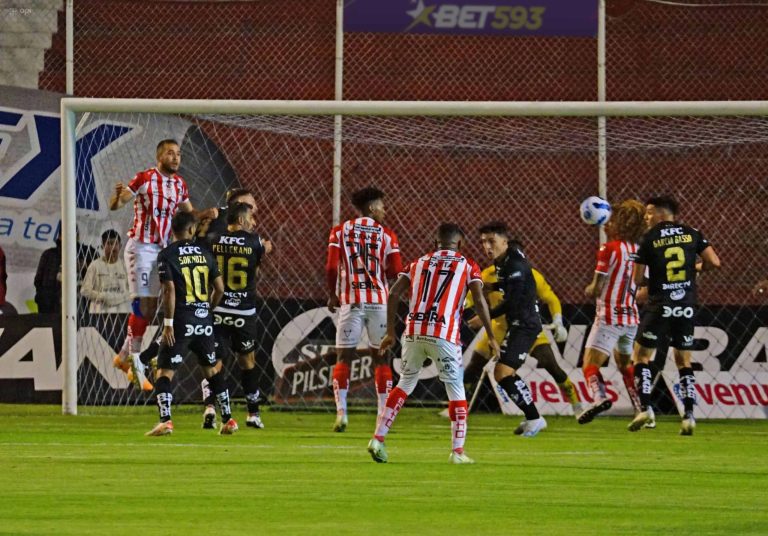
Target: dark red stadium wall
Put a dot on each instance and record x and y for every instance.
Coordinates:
(285, 50)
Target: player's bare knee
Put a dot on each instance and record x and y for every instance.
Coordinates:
(345, 355)
(682, 358)
(501, 371)
(246, 361)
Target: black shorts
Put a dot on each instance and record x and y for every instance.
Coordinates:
(237, 332)
(662, 321)
(514, 349)
(195, 337)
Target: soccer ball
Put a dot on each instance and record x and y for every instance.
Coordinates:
(595, 210)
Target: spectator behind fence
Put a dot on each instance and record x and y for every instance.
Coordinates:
(106, 282)
(48, 276)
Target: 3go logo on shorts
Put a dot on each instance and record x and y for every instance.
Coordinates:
(192, 329)
(677, 312)
(219, 320)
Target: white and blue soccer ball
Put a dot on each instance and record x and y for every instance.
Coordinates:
(595, 210)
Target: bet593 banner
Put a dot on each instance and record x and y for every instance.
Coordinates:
(574, 18)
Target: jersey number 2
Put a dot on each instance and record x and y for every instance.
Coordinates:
(676, 259)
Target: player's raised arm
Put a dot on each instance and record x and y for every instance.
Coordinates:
(400, 288)
(202, 215)
(120, 196)
(481, 308)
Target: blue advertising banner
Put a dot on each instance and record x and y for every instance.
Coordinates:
(577, 18)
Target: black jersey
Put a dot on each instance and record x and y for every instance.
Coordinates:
(192, 270)
(238, 255)
(215, 229)
(518, 286)
(669, 250)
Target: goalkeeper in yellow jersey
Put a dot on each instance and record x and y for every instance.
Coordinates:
(494, 237)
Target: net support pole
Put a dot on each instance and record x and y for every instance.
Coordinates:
(70, 47)
(602, 145)
(68, 263)
(338, 94)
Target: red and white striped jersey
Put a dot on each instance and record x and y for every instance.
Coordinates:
(156, 199)
(439, 284)
(365, 250)
(616, 304)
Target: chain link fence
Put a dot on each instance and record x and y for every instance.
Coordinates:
(529, 172)
(433, 171)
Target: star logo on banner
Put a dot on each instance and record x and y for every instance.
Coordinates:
(420, 15)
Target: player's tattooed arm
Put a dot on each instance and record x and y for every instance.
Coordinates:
(396, 293)
(169, 308)
(481, 307)
(218, 291)
(594, 289)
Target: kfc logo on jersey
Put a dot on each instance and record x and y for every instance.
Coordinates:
(671, 231)
(190, 250)
(232, 240)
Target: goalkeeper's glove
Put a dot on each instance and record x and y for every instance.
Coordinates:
(559, 333)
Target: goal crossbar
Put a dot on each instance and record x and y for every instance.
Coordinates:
(421, 108)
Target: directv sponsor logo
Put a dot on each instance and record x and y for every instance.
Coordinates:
(232, 302)
(177, 359)
(201, 313)
(650, 336)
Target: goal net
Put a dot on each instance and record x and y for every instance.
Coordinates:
(529, 172)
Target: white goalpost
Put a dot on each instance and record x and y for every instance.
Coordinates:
(528, 163)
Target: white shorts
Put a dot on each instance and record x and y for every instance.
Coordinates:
(141, 265)
(605, 338)
(446, 355)
(352, 319)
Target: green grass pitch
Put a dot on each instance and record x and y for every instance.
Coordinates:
(96, 473)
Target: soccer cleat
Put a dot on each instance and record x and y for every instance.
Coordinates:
(641, 419)
(161, 429)
(209, 418)
(520, 428)
(688, 424)
(254, 421)
(118, 363)
(229, 427)
(651, 424)
(534, 426)
(146, 386)
(137, 376)
(377, 450)
(594, 410)
(578, 409)
(457, 458)
(341, 423)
